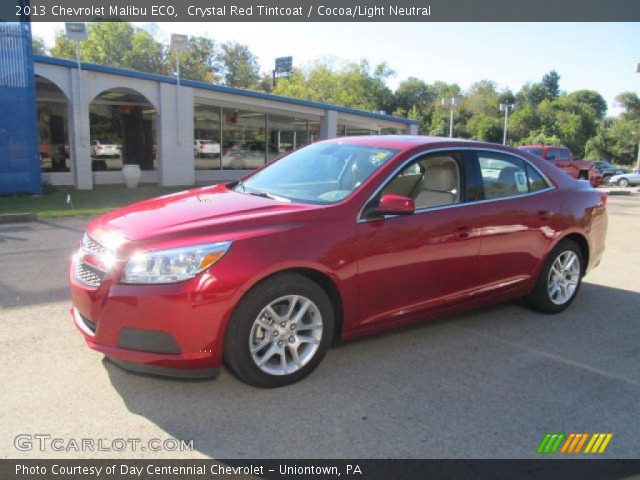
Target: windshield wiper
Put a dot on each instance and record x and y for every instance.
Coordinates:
(270, 195)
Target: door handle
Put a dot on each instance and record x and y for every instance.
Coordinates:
(463, 232)
(545, 215)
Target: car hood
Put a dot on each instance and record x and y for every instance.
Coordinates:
(202, 211)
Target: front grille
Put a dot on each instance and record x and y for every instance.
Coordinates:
(89, 275)
(89, 245)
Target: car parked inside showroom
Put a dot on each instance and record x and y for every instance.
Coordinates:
(206, 148)
(105, 148)
(333, 241)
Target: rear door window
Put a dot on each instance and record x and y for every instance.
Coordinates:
(504, 175)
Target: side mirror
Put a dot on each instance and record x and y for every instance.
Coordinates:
(392, 204)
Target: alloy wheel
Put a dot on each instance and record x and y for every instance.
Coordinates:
(286, 335)
(563, 277)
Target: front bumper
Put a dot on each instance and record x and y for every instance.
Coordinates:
(171, 330)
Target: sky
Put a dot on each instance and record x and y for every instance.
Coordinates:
(598, 56)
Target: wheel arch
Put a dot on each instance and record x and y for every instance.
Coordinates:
(322, 279)
(583, 243)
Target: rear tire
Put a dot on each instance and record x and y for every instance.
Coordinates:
(279, 332)
(559, 280)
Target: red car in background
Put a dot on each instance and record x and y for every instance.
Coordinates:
(333, 241)
(563, 159)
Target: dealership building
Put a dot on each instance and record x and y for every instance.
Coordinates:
(76, 124)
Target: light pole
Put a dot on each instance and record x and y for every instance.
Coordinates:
(178, 44)
(453, 103)
(505, 107)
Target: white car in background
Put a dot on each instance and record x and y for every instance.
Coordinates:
(206, 148)
(104, 147)
(625, 179)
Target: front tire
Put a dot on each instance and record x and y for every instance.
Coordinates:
(560, 279)
(279, 332)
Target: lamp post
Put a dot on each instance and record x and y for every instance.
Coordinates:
(178, 44)
(505, 107)
(453, 103)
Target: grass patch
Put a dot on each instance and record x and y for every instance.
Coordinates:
(85, 202)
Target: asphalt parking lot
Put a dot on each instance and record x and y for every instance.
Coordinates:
(484, 384)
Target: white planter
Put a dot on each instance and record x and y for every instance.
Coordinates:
(131, 174)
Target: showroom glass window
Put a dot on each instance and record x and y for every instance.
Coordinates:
(285, 134)
(352, 131)
(243, 139)
(52, 110)
(207, 129)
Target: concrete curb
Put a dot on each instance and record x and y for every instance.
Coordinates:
(618, 192)
(18, 217)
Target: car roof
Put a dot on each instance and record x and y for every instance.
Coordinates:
(407, 142)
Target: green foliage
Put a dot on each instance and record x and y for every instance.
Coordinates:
(631, 104)
(117, 44)
(538, 137)
(551, 84)
(616, 141)
(240, 67)
(200, 61)
(352, 84)
(38, 46)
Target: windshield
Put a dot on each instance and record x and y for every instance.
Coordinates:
(535, 151)
(105, 141)
(318, 173)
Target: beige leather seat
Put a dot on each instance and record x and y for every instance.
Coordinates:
(440, 184)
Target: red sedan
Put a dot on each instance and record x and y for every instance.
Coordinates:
(336, 240)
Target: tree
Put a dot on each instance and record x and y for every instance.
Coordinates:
(239, 66)
(592, 99)
(631, 104)
(38, 45)
(117, 44)
(200, 61)
(414, 92)
(532, 94)
(354, 85)
(616, 141)
(551, 84)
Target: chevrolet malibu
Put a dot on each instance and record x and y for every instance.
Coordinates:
(337, 240)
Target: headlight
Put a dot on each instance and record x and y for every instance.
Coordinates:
(174, 265)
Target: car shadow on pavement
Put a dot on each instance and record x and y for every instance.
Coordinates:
(467, 385)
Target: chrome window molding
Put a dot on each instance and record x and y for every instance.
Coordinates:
(550, 185)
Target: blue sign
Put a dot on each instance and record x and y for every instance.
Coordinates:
(19, 152)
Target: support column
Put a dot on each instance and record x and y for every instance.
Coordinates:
(411, 129)
(175, 135)
(80, 150)
(329, 125)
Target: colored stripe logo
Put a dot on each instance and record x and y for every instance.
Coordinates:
(574, 443)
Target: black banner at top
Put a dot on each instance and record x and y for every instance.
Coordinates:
(323, 10)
